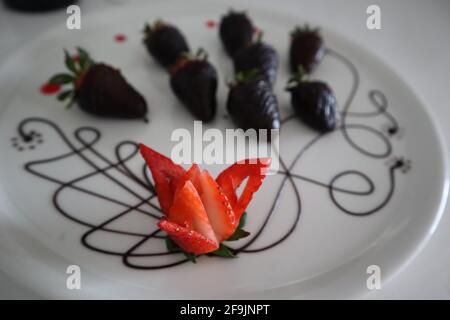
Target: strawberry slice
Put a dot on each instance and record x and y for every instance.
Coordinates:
(188, 240)
(218, 208)
(231, 178)
(188, 211)
(192, 175)
(166, 175)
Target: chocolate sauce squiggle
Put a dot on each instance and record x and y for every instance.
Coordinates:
(87, 153)
(379, 101)
(381, 109)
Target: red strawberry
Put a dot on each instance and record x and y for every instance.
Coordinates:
(202, 212)
(218, 209)
(188, 211)
(220, 213)
(193, 175)
(188, 240)
(230, 180)
(166, 175)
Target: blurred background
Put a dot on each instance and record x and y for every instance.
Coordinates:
(413, 41)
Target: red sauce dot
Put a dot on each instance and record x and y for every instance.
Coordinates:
(120, 37)
(76, 58)
(50, 88)
(211, 24)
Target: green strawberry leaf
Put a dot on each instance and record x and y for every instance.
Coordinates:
(245, 76)
(238, 234)
(61, 78)
(201, 54)
(171, 245)
(85, 59)
(242, 220)
(224, 251)
(70, 63)
(64, 95)
(190, 256)
(70, 104)
(147, 29)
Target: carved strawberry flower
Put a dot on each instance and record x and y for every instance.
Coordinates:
(202, 212)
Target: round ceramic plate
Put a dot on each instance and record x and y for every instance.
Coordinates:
(370, 193)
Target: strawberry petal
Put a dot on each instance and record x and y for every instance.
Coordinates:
(192, 175)
(166, 175)
(188, 240)
(231, 178)
(218, 208)
(188, 211)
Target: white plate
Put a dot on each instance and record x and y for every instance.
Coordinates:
(328, 252)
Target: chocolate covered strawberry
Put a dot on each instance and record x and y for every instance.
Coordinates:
(99, 89)
(236, 31)
(306, 49)
(165, 42)
(314, 102)
(252, 103)
(260, 56)
(194, 81)
(200, 212)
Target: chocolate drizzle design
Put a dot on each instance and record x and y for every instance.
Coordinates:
(84, 149)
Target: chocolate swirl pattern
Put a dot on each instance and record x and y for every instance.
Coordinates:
(83, 146)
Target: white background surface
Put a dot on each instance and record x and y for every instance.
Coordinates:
(413, 41)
